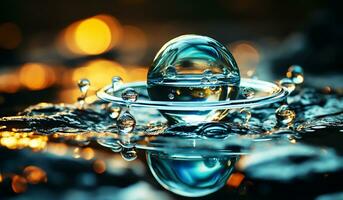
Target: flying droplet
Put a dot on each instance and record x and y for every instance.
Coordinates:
(213, 80)
(204, 81)
(248, 92)
(84, 85)
(247, 116)
(128, 154)
(170, 96)
(170, 72)
(126, 123)
(284, 115)
(296, 74)
(116, 81)
(287, 84)
(114, 111)
(130, 95)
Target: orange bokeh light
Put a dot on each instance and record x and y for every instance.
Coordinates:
(10, 35)
(99, 72)
(91, 36)
(246, 55)
(88, 153)
(235, 180)
(99, 166)
(19, 184)
(9, 82)
(36, 76)
(35, 175)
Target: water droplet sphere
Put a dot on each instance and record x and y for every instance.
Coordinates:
(200, 68)
(126, 123)
(190, 175)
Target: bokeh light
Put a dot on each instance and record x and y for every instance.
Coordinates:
(9, 82)
(36, 76)
(235, 180)
(99, 72)
(91, 36)
(247, 57)
(99, 166)
(10, 35)
(19, 184)
(35, 175)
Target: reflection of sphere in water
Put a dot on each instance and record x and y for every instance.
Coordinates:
(193, 68)
(190, 175)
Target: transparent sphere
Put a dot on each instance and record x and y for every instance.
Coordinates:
(190, 175)
(193, 68)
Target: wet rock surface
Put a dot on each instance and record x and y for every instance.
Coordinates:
(299, 170)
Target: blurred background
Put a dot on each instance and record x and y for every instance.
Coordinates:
(45, 47)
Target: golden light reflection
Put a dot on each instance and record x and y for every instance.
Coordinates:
(1, 179)
(9, 82)
(88, 153)
(35, 175)
(99, 166)
(19, 184)
(99, 72)
(10, 35)
(235, 180)
(19, 140)
(246, 55)
(76, 152)
(57, 148)
(36, 76)
(91, 36)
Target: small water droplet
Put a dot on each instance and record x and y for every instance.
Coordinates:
(114, 111)
(170, 72)
(170, 96)
(204, 80)
(287, 84)
(213, 80)
(247, 116)
(207, 73)
(296, 74)
(116, 81)
(248, 92)
(84, 85)
(130, 95)
(126, 123)
(128, 154)
(284, 115)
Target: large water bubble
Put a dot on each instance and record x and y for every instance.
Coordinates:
(193, 68)
(190, 175)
